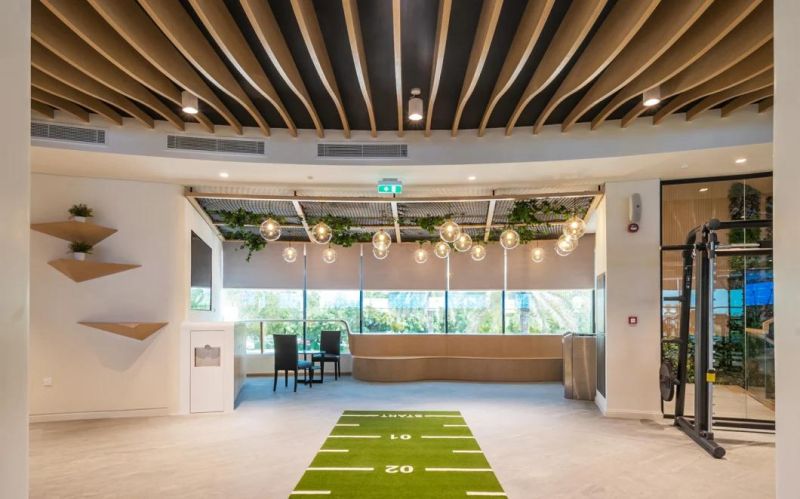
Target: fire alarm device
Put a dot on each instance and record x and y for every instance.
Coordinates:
(633, 320)
(633, 227)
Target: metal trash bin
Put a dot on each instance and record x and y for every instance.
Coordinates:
(580, 372)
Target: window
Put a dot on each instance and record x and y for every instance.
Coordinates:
(403, 311)
(475, 312)
(269, 304)
(549, 312)
(331, 305)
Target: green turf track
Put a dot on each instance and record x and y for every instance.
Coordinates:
(398, 465)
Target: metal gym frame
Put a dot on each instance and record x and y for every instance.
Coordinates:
(702, 248)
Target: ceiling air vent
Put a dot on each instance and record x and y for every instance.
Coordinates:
(68, 133)
(230, 146)
(362, 151)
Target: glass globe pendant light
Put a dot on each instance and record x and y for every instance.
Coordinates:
(537, 254)
(321, 233)
(421, 255)
(478, 252)
(289, 254)
(329, 255)
(566, 245)
(463, 242)
(449, 231)
(574, 227)
(381, 240)
(509, 239)
(270, 230)
(380, 254)
(441, 249)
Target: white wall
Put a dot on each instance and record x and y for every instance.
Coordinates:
(632, 266)
(787, 240)
(94, 373)
(14, 204)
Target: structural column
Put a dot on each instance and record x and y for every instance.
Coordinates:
(786, 164)
(15, 60)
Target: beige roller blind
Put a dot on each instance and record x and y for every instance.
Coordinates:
(575, 271)
(399, 271)
(265, 270)
(467, 274)
(344, 273)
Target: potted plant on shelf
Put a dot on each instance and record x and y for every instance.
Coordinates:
(80, 212)
(80, 249)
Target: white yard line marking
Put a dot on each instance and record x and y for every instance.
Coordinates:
(460, 469)
(362, 415)
(442, 416)
(467, 452)
(455, 426)
(347, 424)
(355, 436)
(495, 494)
(334, 450)
(315, 493)
(446, 436)
(339, 469)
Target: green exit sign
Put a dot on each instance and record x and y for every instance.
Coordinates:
(390, 186)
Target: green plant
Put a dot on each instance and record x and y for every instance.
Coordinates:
(80, 246)
(430, 224)
(251, 241)
(80, 210)
(341, 233)
(240, 218)
(537, 211)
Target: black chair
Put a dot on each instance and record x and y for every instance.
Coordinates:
(286, 359)
(330, 344)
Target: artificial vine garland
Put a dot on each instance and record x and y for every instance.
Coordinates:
(342, 235)
(238, 220)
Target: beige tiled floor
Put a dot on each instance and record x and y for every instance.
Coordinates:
(540, 446)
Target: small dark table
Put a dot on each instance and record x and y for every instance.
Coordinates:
(305, 353)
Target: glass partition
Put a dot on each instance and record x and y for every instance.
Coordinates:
(549, 311)
(331, 304)
(403, 311)
(475, 312)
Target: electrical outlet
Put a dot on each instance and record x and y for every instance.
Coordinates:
(48, 381)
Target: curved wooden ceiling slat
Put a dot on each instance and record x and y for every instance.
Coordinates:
(53, 34)
(269, 34)
(577, 23)
(487, 23)
(439, 47)
(356, 41)
(757, 62)
(177, 25)
(758, 82)
(668, 22)
(397, 45)
(528, 31)
(746, 100)
(622, 23)
(93, 30)
(57, 102)
(766, 104)
(49, 84)
(712, 26)
(49, 63)
(43, 109)
(133, 25)
(315, 44)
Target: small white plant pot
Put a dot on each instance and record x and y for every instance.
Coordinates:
(78, 219)
(79, 256)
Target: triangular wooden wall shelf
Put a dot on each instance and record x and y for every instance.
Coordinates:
(85, 270)
(136, 330)
(86, 232)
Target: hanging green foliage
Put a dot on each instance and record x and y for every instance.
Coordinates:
(431, 224)
(251, 241)
(241, 218)
(341, 230)
(537, 211)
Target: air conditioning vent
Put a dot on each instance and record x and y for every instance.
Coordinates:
(68, 133)
(362, 151)
(231, 146)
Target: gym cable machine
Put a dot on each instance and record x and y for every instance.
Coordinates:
(702, 248)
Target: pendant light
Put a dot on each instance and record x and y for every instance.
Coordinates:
(537, 254)
(289, 254)
(566, 244)
(321, 233)
(441, 249)
(380, 254)
(652, 96)
(509, 239)
(329, 255)
(421, 255)
(478, 252)
(449, 231)
(415, 105)
(574, 227)
(270, 230)
(381, 240)
(189, 103)
(463, 242)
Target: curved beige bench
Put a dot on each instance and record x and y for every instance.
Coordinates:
(464, 357)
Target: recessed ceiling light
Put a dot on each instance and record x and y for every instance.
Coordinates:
(471, 178)
(224, 174)
(739, 161)
(652, 96)
(703, 189)
(189, 103)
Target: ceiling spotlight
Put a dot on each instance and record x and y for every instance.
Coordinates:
(189, 103)
(329, 255)
(270, 230)
(463, 242)
(702, 189)
(740, 161)
(289, 254)
(651, 97)
(321, 233)
(509, 239)
(224, 174)
(415, 105)
(441, 249)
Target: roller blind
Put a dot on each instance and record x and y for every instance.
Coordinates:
(399, 271)
(344, 273)
(467, 274)
(575, 271)
(265, 270)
